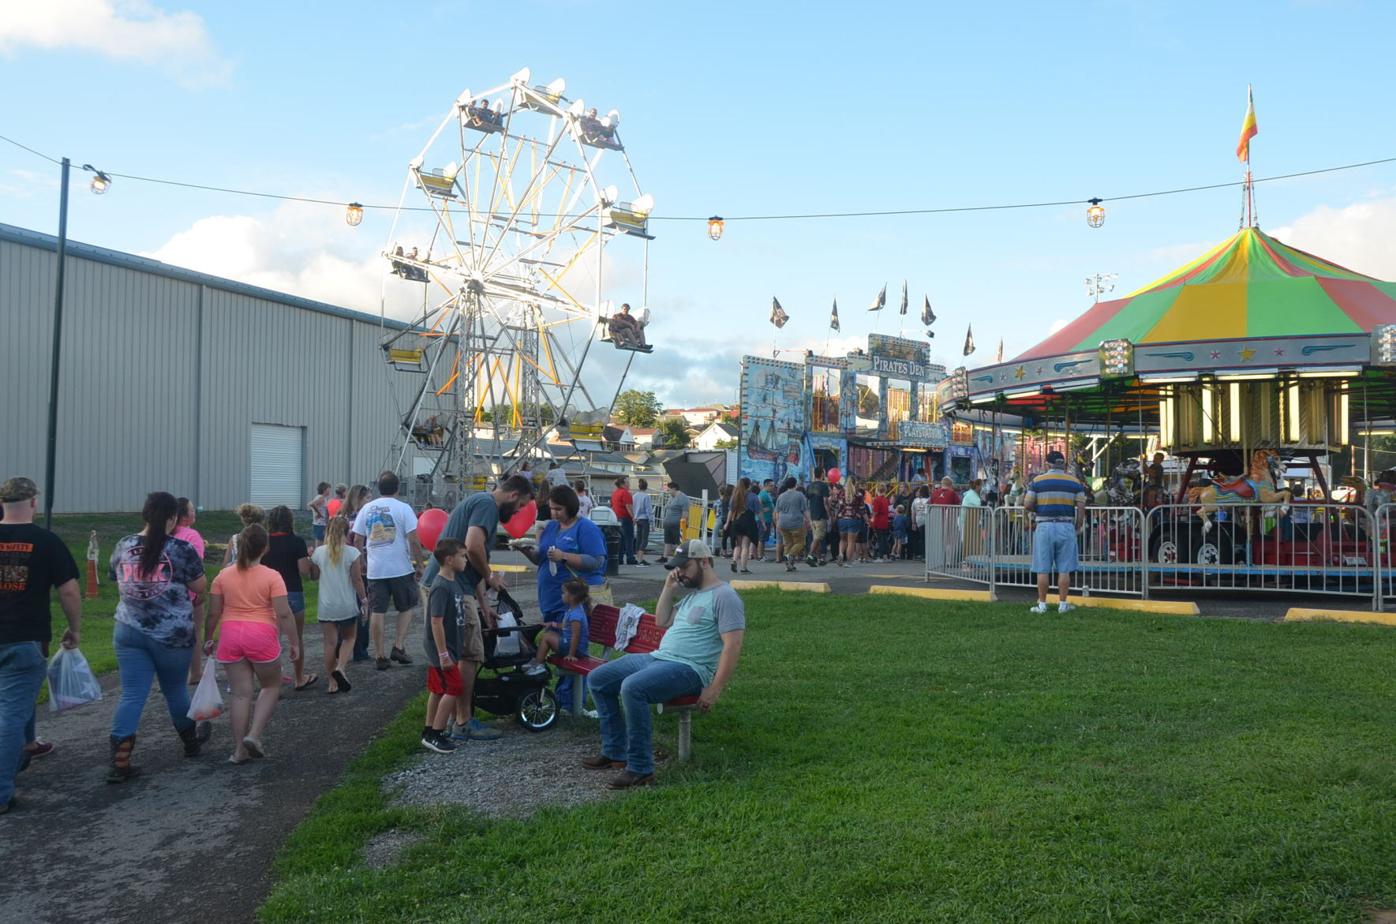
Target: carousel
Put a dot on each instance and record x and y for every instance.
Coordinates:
(1251, 362)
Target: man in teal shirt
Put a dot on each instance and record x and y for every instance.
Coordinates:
(695, 658)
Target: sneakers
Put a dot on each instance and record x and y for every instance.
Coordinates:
(39, 748)
(479, 731)
(382, 664)
(663, 560)
(1040, 608)
(459, 735)
(437, 741)
(400, 656)
(534, 668)
(1064, 607)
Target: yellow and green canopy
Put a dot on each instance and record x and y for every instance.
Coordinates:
(1250, 285)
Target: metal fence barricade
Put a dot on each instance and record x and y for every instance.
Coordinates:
(960, 543)
(1319, 548)
(1108, 543)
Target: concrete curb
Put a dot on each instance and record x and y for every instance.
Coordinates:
(1305, 614)
(812, 587)
(1168, 607)
(934, 593)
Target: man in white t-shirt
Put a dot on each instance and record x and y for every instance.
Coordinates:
(386, 528)
(556, 476)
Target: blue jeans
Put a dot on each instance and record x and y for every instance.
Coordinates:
(627, 541)
(22, 671)
(639, 680)
(141, 659)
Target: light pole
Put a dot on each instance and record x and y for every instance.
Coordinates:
(100, 183)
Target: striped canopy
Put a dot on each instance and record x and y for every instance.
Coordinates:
(1250, 285)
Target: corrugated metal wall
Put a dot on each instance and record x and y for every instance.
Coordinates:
(164, 371)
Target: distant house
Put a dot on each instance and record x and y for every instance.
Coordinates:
(714, 433)
(618, 438)
(644, 436)
(697, 416)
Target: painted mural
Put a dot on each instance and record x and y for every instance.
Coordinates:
(772, 441)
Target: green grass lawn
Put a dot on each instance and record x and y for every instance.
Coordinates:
(885, 759)
(96, 646)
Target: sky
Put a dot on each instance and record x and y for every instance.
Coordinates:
(732, 109)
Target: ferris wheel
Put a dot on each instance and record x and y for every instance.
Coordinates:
(511, 216)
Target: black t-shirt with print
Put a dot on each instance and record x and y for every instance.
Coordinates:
(284, 552)
(33, 561)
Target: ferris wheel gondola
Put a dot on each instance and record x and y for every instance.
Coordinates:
(524, 193)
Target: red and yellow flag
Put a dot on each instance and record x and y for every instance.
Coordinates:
(1248, 129)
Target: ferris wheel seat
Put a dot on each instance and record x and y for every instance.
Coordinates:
(627, 218)
(437, 183)
(483, 120)
(405, 359)
(597, 135)
(542, 99)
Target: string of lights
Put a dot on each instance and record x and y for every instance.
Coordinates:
(1095, 212)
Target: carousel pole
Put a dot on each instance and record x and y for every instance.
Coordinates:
(1366, 439)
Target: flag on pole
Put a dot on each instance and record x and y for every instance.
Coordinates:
(999, 357)
(1248, 129)
(834, 317)
(928, 317)
(880, 302)
(903, 310)
(969, 339)
(778, 315)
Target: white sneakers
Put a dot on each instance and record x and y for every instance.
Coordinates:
(1042, 608)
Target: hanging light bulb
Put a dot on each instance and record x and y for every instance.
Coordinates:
(715, 227)
(1095, 215)
(101, 182)
(354, 214)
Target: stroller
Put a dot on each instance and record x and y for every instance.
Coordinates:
(511, 691)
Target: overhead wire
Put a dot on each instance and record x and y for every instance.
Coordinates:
(789, 216)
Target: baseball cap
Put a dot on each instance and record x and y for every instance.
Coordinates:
(18, 489)
(692, 550)
(1055, 458)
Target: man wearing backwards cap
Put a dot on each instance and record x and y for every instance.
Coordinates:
(1058, 500)
(32, 562)
(696, 657)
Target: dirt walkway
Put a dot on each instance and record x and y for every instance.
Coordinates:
(187, 840)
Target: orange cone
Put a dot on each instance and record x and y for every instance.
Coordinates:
(92, 553)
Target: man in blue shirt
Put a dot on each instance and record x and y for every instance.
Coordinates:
(1057, 499)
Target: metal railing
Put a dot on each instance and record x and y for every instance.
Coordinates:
(1108, 543)
(960, 543)
(1385, 577)
(1319, 548)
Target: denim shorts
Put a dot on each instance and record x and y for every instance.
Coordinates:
(1054, 548)
(319, 530)
(296, 600)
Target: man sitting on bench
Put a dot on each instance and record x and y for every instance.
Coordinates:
(626, 330)
(695, 658)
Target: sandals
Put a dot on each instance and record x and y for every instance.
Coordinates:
(734, 567)
(342, 684)
(309, 682)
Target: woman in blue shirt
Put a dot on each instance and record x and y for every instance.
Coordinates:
(569, 546)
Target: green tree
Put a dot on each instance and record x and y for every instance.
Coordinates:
(726, 444)
(673, 434)
(638, 408)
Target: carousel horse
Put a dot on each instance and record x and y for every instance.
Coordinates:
(1122, 488)
(1257, 486)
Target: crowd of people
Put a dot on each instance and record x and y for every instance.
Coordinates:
(364, 555)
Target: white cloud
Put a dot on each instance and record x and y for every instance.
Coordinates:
(177, 42)
(1357, 236)
(1058, 325)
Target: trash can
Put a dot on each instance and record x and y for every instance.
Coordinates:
(612, 534)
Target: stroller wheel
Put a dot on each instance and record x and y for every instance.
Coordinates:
(538, 710)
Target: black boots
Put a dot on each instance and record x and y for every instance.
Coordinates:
(194, 737)
(121, 769)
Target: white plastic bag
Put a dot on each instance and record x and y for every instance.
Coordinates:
(207, 701)
(507, 645)
(70, 681)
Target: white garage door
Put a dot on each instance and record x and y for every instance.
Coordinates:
(277, 465)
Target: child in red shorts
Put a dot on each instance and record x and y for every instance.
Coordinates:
(444, 637)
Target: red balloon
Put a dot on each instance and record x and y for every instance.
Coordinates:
(522, 519)
(429, 527)
(834, 475)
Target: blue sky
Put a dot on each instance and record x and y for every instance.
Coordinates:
(734, 109)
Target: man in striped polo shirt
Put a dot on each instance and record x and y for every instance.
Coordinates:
(1058, 501)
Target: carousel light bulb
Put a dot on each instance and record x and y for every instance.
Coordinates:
(1095, 214)
(1384, 345)
(353, 214)
(715, 225)
(101, 182)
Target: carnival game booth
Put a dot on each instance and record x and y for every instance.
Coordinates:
(1250, 356)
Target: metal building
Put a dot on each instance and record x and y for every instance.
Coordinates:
(181, 381)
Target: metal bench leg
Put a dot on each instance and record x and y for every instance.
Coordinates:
(578, 694)
(685, 734)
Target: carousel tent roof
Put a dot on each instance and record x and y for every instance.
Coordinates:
(1250, 285)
